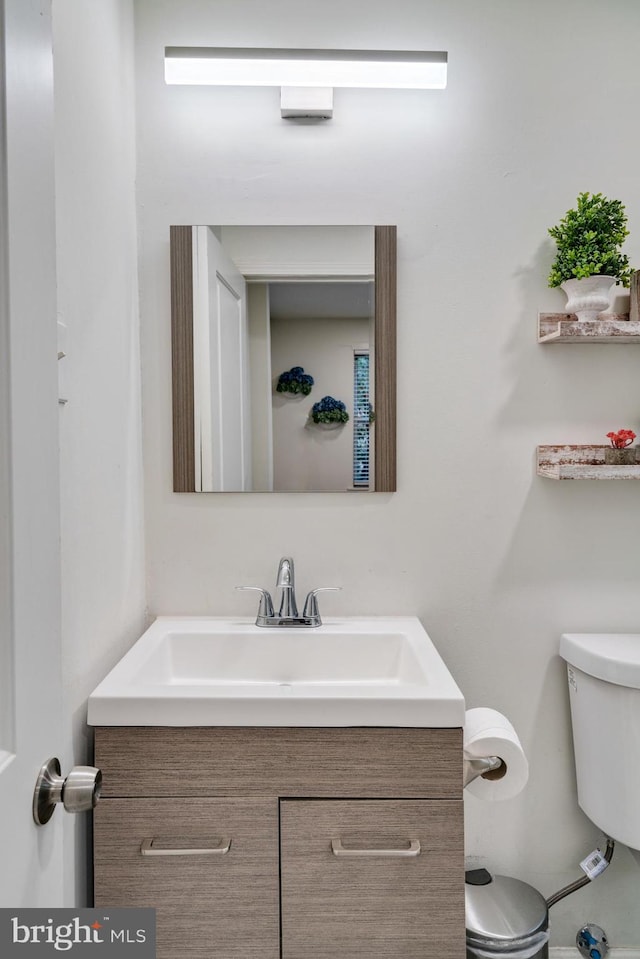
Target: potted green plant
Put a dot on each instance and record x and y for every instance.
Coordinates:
(588, 259)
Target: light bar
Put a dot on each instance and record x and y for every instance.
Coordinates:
(233, 66)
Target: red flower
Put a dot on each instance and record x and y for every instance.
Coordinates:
(621, 439)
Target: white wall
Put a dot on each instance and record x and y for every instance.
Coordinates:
(296, 251)
(496, 562)
(103, 584)
(308, 456)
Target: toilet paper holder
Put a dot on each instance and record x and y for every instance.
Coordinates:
(483, 766)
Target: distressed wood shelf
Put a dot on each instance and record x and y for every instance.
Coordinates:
(565, 328)
(580, 463)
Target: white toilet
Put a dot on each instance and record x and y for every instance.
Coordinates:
(604, 691)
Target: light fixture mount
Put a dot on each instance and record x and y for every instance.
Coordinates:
(306, 103)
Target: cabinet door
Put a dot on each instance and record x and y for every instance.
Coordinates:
(378, 879)
(215, 902)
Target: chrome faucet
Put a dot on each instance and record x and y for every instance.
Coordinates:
(286, 581)
(288, 613)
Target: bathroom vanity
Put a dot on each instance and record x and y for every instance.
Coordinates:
(264, 806)
(297, 839)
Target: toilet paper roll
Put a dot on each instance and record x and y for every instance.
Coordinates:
(488, 733)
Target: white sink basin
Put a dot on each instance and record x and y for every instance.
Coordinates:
(215, 671)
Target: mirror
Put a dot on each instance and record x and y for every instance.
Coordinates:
(284, 358)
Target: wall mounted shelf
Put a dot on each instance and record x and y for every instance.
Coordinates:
(580, 462)
(565, 328)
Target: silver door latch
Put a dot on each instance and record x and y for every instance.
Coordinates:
(79, 792)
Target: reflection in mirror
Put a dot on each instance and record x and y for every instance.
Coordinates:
(283, 358)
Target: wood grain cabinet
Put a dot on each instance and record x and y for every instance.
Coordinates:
(375, 879)
(208, 866)
(248, 849)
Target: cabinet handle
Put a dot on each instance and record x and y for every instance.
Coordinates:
(339, 850)
(148, 849)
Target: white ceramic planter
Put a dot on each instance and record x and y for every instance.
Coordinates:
(327, 426)
(588, 297)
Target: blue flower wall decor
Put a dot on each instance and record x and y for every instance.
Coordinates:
(295, 381)
(329, 410)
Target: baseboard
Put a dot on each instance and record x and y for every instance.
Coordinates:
(570, 952)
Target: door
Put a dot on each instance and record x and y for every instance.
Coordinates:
(30, 660)
(221, 368)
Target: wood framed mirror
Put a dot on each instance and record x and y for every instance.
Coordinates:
(250, 303)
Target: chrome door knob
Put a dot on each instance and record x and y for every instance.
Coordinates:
(79, 792)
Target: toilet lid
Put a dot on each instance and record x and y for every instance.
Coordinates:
(614, 657)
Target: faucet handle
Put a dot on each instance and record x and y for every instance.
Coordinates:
(266, 603)
(311, 610)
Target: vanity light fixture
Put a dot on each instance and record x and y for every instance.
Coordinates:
(306, 77)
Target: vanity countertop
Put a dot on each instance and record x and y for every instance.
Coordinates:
(226, 671)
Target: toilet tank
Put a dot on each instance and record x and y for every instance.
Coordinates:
(603, 672)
